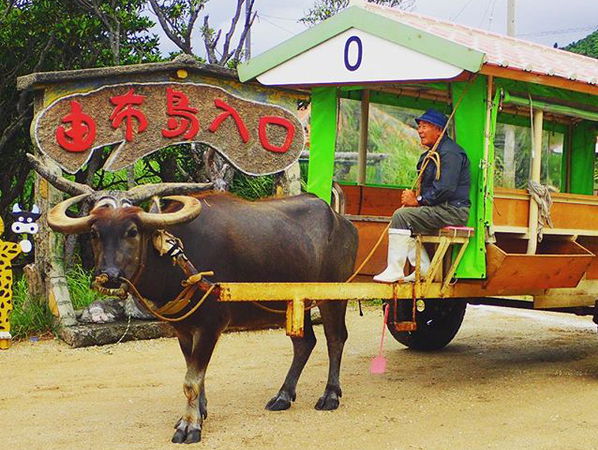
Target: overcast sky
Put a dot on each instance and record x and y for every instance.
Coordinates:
(541, 21)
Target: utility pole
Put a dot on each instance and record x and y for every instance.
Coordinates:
(248, 38)
(509, 153)
(510, 17)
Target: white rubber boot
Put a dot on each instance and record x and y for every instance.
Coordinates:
(424, 261)
(398, 249)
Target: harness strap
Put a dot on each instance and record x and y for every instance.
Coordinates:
(166, 243)
(184, 297)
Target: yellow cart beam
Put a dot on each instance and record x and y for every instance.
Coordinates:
(275, 292)
(296, 294)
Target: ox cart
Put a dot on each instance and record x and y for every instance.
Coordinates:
(379, 56)
(532, 248)
(511, 254)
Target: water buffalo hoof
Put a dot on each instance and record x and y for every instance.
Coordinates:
(280, 402)
(186, 433)
(328, 402)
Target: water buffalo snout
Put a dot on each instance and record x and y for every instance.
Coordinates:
(113, 275)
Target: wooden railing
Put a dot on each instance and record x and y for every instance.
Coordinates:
(572, 214)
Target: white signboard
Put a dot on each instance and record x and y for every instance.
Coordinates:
(355, 56)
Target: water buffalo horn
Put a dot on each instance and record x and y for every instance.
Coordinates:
(190, 210)
(59, 221)
(145, 191)
(60, 183)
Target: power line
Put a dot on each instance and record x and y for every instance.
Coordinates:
(278, 18)
(484, 15)
(277, 26)
(491, 15)
(461, 10)
(561, 31)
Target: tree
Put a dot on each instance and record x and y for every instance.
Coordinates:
(587, 46)
(323, 9)
(177, 18)
(49, 35)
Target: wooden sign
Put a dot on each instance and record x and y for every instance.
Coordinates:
(140, 118)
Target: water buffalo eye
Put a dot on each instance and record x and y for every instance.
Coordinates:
(132, 232)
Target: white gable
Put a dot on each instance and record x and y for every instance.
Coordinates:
(355, 56)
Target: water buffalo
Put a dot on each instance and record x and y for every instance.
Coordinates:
(291, 239)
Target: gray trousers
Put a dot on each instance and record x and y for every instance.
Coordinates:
(429, 219)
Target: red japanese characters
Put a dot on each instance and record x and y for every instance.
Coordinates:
(81, 133)
(137, 119)
(182, 122)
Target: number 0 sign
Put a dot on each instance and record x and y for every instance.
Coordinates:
(353, 40)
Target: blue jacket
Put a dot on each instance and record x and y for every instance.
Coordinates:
(454, 182)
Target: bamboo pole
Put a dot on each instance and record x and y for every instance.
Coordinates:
(488, 124)
(535, 171)
(569, 157)
(363, 137)
(487, 173)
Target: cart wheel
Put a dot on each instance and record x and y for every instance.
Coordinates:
(437, 325)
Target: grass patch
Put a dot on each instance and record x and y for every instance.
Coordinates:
(31, 318)
(79, 281)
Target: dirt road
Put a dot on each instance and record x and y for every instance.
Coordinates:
(510, 380)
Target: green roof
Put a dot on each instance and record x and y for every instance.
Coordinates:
(378, 25)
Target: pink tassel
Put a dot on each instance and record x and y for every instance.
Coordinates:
(378, 364)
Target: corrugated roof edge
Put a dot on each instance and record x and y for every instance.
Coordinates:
(381, 9)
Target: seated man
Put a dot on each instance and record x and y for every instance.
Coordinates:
(443, 199)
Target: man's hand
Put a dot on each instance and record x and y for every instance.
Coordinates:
(408, 198)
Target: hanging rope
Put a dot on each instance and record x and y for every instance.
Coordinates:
(541, 195)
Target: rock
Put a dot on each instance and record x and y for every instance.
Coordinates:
(103, 311)
(134, 310)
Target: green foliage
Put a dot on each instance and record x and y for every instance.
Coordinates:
(391, 133)
(552, 153)
(587, 46)
(252, 188)
(79, 280)
(29, 317)
(323, 9)
(53, 35)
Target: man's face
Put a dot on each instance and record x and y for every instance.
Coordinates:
(428, 133)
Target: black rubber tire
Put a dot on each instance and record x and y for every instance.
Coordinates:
(437, 325)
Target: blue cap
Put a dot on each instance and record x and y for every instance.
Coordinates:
(434, 117)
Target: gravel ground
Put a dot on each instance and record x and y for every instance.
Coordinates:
(510, 379)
